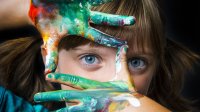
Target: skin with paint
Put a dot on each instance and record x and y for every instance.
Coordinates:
(168, 72)
(97, 63)
(56, 19)
(54, 22)
(97, 96)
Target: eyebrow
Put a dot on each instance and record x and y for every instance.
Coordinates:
(135, 54)
(143, 53)
(91, 47)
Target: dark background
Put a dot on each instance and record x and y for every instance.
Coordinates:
(182, 24)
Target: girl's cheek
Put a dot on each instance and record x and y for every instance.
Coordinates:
(142, 83)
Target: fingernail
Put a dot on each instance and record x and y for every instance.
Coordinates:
(49, 76)
(37, 97)
(125, 48)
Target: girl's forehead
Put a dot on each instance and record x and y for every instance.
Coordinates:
(139, 44)
(135, 49)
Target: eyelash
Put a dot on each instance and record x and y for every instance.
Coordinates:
(84, 56)
(99, 60)
(140, 67)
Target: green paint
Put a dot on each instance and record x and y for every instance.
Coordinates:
(55, 16)
(84, 83)
(109, 19)
(49, 76)
(73, 17)
(96, 96)
(125, 48)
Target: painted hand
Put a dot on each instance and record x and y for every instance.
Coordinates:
(93, 96)
(96, 96)
(58, 18)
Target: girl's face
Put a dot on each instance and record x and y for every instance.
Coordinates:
(98, 63)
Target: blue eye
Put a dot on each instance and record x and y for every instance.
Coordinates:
(136, 64)
(90, 59)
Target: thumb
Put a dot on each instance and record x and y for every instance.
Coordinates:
(122, 71)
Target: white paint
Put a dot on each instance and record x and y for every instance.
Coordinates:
(127, 21)
(128, 97)
(81, 5)
(118, 65)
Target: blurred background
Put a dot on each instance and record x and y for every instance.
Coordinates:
(182, 25)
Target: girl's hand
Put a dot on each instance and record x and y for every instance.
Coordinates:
(94, 96)
(58, 18)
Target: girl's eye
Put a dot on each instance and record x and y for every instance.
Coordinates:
(90, 59)
(137, 64)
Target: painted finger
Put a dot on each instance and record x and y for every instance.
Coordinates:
(102, 38)
(83, 83)
(122, 71)
(51, 38)
(110, 19)
(61, 95)
(51, 56)
(98, 2)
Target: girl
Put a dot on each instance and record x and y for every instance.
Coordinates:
(155, 63)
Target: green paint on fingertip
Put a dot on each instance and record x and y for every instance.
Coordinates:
(132, 20)
(50, 76)
(125, 48)
(37, 97)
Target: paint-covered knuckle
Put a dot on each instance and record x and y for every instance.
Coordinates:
(64, 78)
(90, 102)
(125, 20)
(73, 80)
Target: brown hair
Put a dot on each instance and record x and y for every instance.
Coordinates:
(22, 67)
(18, 57)
(173, 59)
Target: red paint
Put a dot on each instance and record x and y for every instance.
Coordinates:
(121, 22)
(104, 23)
(34, 12)
(47, 71)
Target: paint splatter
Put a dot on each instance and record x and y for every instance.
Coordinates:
(96, 96)
(58, 18)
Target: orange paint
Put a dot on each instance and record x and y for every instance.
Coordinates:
(90, 37)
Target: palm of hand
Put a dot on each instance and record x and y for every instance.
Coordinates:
(56, 18)
(70, 16)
